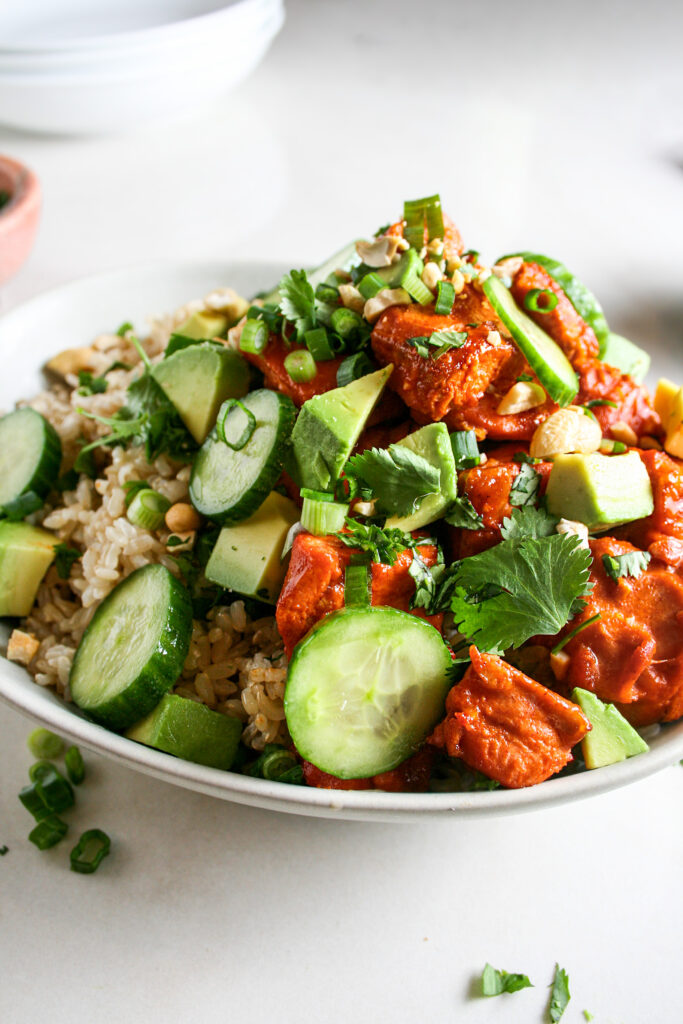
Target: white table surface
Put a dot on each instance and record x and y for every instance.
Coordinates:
(559, 131)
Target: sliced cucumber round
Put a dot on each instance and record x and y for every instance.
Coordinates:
(543, 355)
(228, 484)
(364, 689)
(134, 649)
(583, 300)
(30, 455)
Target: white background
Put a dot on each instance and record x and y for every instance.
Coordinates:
(555, 127)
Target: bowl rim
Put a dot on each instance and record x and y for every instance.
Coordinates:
(43, 705)
(159, 33)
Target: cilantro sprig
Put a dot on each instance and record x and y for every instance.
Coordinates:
(632, 563)
(64, 559)
(495, 982)
(381, 545)
(398, 477)
(559, 994)
(521, 588)
(525, 488)
(431, 346)
(463, 514)
(297, 301)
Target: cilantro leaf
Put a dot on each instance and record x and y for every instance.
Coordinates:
(297, 301)
(381, 544)
(426, 580)
(559, 996)
(462, 513)
(524, 490)
(399, 478)
(444, 340)
(519, 589)
(18, 508)
(494, 982)
(89, 385)
(64, 559)
(528, 521)
(633, 563)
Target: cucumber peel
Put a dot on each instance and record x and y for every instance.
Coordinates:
(543, 355)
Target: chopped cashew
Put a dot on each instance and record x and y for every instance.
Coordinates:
(521, 397)
(22, 647)
(493, 338)
(649, 442)
(375, 306)
(458, 281)
(431, 275)
(566, 431)
(579, 530)
(622, 432)
(559, 663)
(364, 508)
(380, 252)
(352, 298)
(508, 267)
(71, 360)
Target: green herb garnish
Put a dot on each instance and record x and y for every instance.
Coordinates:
(559, 996)
(20, 507)
(64, 559)
(381, 544)
(440, 341)
(495, 982)
(297, 301)
(89, 385)
(633, 563)
(75, 767)
(399, 478)
(463, 514)
(524, 490)
(44, 744)
(89, 851)
(528, 521)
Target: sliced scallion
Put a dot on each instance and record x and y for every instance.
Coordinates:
(445, 297)
(370, 285)
(44, 744)
(147, 509)
(229, 417)
(318, 344)
(300, 366)
(419, 213)
(89, 851)
(357, 586)
(345, 322)
(276, 763)
(465, 449)
(327, 293)
(75, 768)
(308, 492)
(254, 337)
(323, 517)
(353, 367)
(417, 289)
(48, 832)
(540, 300)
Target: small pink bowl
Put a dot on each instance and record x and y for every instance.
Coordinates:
(18, 217)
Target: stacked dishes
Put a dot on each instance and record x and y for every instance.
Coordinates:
(75, 67)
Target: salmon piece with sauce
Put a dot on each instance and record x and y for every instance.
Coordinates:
(412, 776)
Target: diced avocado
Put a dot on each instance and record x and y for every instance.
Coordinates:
(433, 443)
(328, 427)
(626, 356)
(198, 380)
(203, 325)
(25, 554)
(611, 738)
(246, 557)
(599, 490)
(189, 730)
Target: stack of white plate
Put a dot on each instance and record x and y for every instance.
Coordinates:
(98, 66)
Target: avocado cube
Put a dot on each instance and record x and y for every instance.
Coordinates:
(189, 730)
(626, 356)
(611, 738)
(433, 443)
(247, 557)
(198, 379)
(203, 325)
(599, 490)
(25, 555)
(328, 427)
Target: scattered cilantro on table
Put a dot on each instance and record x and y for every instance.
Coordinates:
(399, 478)
(559, 995)
(495, 982)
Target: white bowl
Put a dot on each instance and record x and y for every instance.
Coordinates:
(147, 76)
(74, 314)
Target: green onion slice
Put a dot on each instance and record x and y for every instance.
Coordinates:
(308, 492)
(540, 300)
(75, 768)
(328, 293)
(48, 832)
(254, 337)
(300, 366)
(445, 297)
(353, 367)
(345, 322)
(417, 289)
(465, 449)
(370, 285)
(147, 509)
(318, 344)
(222, 422)
(89, 851)
(417, 213)
(276, 763)
(323, 517)
(357, 586)
(44, 744)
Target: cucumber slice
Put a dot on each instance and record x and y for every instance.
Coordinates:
(189, 730)
(30, 454)
(364, 689)
(134, 649)
(547, 359)
(229, 485)
(583, 300)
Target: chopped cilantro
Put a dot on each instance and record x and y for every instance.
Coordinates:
(4, 850)
(633, 563)
(89, 385)
(442, 341)
(297, 301)
(528, 521)
(600, 401)
(124, 329)
(519, 589)
(64, 559)
(494, 982)
(524, 490)
(398, 477)
(20, 507)
(426, 580)
(524, 457)
(559, 996)
(382, 545)
(68, 481)
(462, 513)
(524, 378)
(587, 1015)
